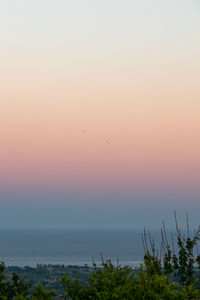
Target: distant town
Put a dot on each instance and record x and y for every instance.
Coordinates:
(50, 275)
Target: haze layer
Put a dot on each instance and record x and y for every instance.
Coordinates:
(99, 112)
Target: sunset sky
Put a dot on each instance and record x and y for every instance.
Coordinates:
(99, 112)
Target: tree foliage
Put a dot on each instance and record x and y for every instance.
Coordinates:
(18, 289)
(169, 273)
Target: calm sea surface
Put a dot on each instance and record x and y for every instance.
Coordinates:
(70, 247)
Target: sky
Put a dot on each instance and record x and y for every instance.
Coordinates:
(99, 113)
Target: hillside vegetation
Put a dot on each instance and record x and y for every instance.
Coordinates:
(171, 271)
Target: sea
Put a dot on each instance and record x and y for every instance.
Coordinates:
(70, 247)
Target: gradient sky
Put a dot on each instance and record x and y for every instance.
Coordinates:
(99, 112)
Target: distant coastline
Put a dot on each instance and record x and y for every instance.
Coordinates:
(69, 247)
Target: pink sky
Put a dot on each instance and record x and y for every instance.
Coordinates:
(96, 105)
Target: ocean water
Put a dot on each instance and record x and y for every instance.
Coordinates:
(70, 247)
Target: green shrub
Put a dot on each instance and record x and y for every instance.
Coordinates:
(167, 274)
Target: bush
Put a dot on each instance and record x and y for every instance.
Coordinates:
(169, 273)
(165, 276)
